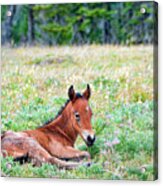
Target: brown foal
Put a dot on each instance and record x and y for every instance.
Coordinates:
(54, 142)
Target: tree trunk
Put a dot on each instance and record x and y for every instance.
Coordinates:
(30, 25)
(8, 24)
(106, 27)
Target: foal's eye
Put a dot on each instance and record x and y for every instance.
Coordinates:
(77, 116)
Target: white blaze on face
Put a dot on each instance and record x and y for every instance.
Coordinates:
(87, 108)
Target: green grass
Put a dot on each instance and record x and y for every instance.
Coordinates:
(34, 87)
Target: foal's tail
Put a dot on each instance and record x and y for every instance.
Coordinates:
(2, 135)
(23, 159)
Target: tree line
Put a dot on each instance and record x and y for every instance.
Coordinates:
(78, 23)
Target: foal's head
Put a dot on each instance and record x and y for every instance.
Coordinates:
(81, 114)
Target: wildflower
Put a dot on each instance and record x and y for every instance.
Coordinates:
(109, 143)
(115, 141)
(116, 132)
(121, 125)
(108, 116)
(8, 166)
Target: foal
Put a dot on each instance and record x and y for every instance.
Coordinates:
(54, 142)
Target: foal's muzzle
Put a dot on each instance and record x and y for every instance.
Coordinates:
(90, 140)
(89, 137)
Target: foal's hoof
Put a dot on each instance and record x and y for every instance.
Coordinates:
(87, 164)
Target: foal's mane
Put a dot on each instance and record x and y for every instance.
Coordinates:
(78, 95)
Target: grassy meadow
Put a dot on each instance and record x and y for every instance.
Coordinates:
(35, 81)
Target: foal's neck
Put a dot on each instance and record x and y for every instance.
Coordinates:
(63, 126)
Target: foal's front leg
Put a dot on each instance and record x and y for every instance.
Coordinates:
(74, 154)
(68, 152)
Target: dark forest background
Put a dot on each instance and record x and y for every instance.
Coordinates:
(78, 23)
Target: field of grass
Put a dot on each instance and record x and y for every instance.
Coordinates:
(34, 86)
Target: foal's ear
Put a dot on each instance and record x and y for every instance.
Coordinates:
(71, 93)
(87, 92)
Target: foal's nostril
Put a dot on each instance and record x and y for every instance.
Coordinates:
(90, 139)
